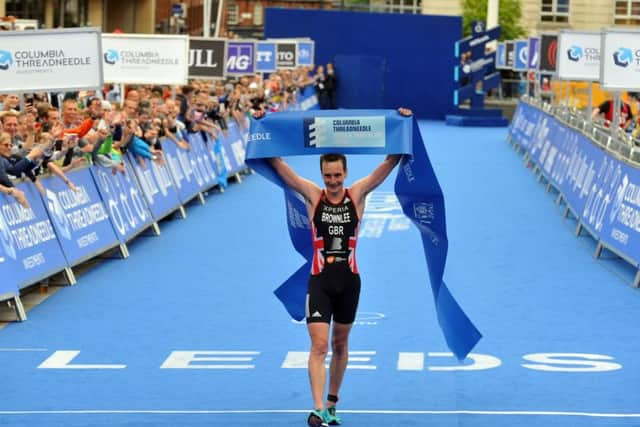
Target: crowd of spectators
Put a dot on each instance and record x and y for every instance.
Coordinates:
(54, 133)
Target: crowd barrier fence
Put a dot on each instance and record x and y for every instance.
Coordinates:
(598, 184)
(63, 228)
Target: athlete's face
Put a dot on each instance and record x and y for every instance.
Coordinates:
(333, 175)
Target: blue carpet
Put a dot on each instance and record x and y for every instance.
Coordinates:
(205, 284)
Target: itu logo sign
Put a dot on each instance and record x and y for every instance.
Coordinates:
(6, 59)
(575, 53)
(111, 56)
(623, 57)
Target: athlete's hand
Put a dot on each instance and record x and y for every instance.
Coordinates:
(405, 112)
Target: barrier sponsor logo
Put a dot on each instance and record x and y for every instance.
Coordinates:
(335, 132)
(286, 55)
(6, 59)
(111, 56)
(623, 57)
(6, 238)
(265, 56)
(58, 215)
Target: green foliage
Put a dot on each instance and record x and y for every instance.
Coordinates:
(509, 15)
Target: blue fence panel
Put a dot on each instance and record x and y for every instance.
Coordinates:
(201, 161)
(524, 124)
(123, 199)
(28, 240)
(8, 288)
(185, 175)
(79, 218)
(157, 186)
(601, 190)
(233, 149)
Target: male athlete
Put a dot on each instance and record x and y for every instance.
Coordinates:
(334, 285)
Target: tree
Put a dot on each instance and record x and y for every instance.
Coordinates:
(508, 18)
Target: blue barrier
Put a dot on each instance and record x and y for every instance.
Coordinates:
(184, 171)
(28, 240)
(157, 186)
(203, 161)
(79, 218)
(602, 191)
(233, 149)
(123, 200)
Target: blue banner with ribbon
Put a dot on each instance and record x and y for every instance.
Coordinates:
(79, 218)
(417, 189)
(219, 160)
(123, 200)
(28, 241)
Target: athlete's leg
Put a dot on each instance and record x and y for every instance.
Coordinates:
(339, 358)
(319, 334)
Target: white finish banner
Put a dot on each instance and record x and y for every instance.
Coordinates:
(148, 59)
(620, 66)
(50, 60)
(578, 55)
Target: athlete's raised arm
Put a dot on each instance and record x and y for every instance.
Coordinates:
(309, 190)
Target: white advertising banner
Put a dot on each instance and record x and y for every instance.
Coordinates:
(578, 55)
(133, 58)
(620, 65)
(50, 60)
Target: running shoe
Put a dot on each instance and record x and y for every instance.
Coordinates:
(316, 418)
(330, 417)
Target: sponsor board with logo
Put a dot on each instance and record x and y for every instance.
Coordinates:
(620, 65)
(521, 51)
(80, 218)
(578, 55)
(49, 60)
(266, 57)
(151, 59)
(207, 58)
(286, 54)
(533, 53)
(510, 54)
(305, 53)
(501, 56)
(241, 57)
(333, 132)
(601, 190)
(28, 241)
(201, 162)
(123, 201)
(548, 53)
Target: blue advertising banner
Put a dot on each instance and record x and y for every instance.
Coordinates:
(603, 191)
(8, 288)
(525, 124)
(233, 149)
(240, 57)
(185, 176)
(156, 185)
(533, 54)
(28, 241)
(202, 161)
(265, 57)
(521, 50)
(123, 199)
(305, 53)
(79, 218)
(417, 189)
(307, 99)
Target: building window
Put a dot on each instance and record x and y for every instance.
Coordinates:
(232, 14)
(398, 6)
(627, 12)
(258, 14)
(554, 11)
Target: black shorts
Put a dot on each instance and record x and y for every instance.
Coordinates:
(333, 293)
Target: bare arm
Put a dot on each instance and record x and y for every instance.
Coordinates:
(309, 190)
(364, 186)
